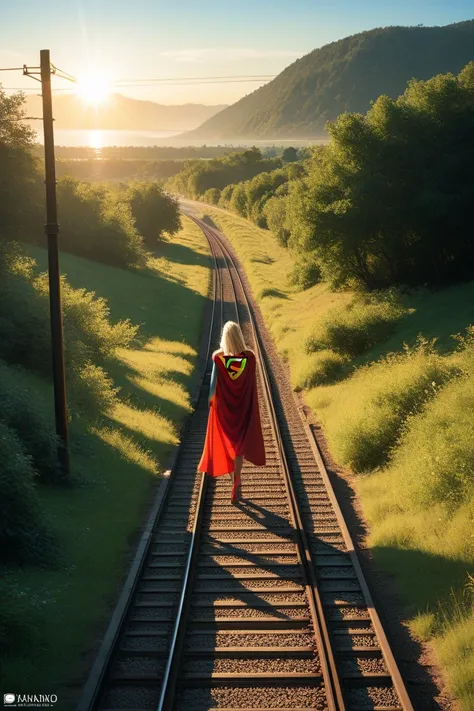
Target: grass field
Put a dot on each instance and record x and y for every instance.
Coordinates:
(119, 459)
(404, 421)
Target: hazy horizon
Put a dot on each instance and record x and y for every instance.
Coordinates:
(117, 41)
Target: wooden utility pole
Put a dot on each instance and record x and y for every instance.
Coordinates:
(52, 231)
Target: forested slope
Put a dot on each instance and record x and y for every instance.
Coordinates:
(342, 76)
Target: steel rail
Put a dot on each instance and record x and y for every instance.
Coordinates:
(101, 666)
(170, 676)
(333, 689)
(386, 651)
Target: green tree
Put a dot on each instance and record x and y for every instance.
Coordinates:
(275, 212)
(289, 155)
(390, 200)
(97, 225)
(20, 182)
(155, 211)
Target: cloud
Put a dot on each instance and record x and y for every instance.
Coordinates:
(228, 54)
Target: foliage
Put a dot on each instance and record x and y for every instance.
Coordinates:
(19, 176)
(198, 176)
(342, 76)
(107, 169)
(24, 535)
(275, 212)
(383, 204)
(379, 400)
(19, 619)
(155, 212)
(212, 196)
(318, 368)
(306, 272)
(22, 410)
(357, 326)
(96, 225)
(289, 155)
(249, 198)
(91, 339)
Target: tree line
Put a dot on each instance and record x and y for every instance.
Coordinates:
(112, 225)
(387, 202)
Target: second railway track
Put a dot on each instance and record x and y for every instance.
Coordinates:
(259, 605)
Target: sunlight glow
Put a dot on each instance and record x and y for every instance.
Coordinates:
(93, 89)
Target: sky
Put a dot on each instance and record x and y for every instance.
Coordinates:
(178, 39)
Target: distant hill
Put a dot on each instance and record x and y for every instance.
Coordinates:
(123, 113)
(342, 76)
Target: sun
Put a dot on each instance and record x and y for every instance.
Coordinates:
(93, 89)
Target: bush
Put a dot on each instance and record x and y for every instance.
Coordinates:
(22, 409)
(357, 327)
(440, 469)
(95, 225)
(19, 619)
(378, 400)
(24, 535)
(88, 329)
(154, 211)
(24, 318)
(212, 196)
(305, 273)
(90, 338)
(275, 212)
(316, 369)
(90, 389)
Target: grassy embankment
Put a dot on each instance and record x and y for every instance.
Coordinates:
(119, 459)
(404, 422)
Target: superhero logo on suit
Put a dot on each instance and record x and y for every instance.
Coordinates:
(235, 365)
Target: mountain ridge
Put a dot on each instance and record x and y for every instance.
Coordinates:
(121, 112)
(345, 75)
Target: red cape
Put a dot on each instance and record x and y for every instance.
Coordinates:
(234, 425)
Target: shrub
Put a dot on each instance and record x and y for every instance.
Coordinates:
(90, 338)
(316, 369)
(24, 535)
(305, 273)
(275, 212)
(378, 400)
(95, 225)
(91, 390)
(22, 409)
(357, 327)
(439, 469)
(19, 619)
(24, 318)
(88, 329)
(212, 196)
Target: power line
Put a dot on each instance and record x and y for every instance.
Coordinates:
(167, 81)
(243, 77)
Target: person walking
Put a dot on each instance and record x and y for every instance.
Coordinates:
(234, 430)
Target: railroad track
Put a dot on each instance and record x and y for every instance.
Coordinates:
(259, 605)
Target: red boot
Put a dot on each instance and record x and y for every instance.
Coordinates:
(235, 489)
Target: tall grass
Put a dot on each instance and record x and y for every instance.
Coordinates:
(366, 418)
(356, 327)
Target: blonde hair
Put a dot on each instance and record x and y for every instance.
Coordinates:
(232, 339)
